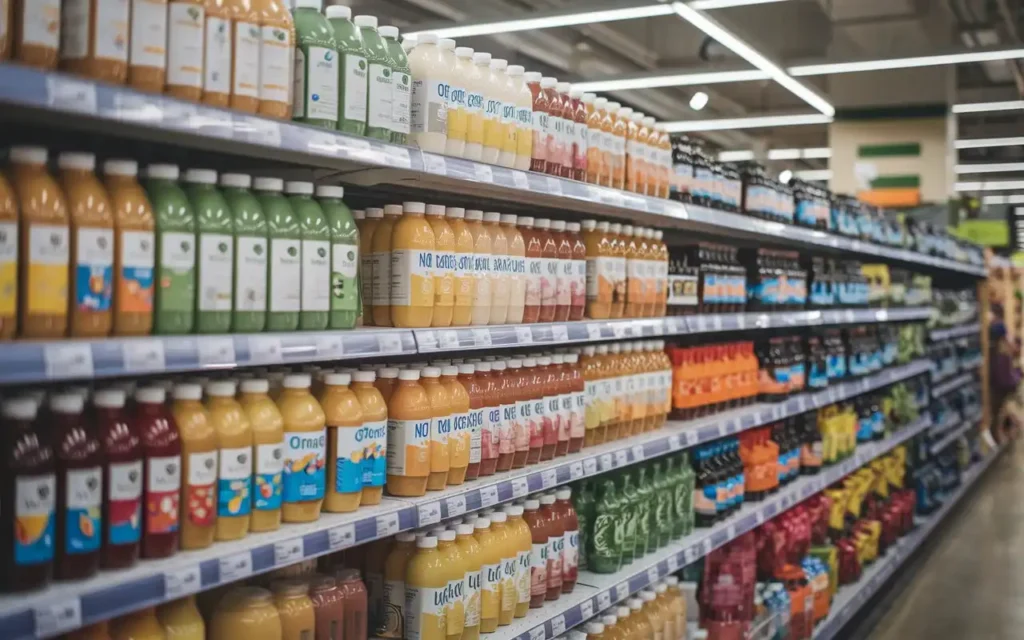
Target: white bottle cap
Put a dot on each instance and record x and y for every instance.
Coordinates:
(594, 628)
(29, 155)
(661, 587)
(66, 403)
(624, 112)
(483, 366)
(464, 529)
(609, 619)
(616, 228)
(449, 370)
(201, 176)
(514, 510)
(221, 388)
(338, 11)
(109, 398)
(634, 604)
(515, 70)
(121, 167)
(547, 498)
(23, 408)
(464, 52)
(498, 516)
(408, 374)
(426, 38)
(446, 44)
(637, 117)
(474, 214)
(338, 379)
(562, 87)
(498, 366)
(299, 187)
(627, 229)
(481, 523)
(531, 504)
(532, 76)
(446, 535)
(600, 103)
(388, 373)
(492, 216)
(647, 596)
(576, 93)
(509, 218)
(374, 212)
(268, 184)
(548, 83)
(364, 376)
(558, 359)
(162, 171)
(388, 32)
(430, 372)
(622, 612)
(366, 21)
(573, 227)
(455, 212)
(236, 180)
(307, 4)
(499, 64)
(392, 209)
(589, 98)
(77, 160)
(330, 191)
(297, 381)
(182, 391)
(481, 58)
(435, 209)
(157, 395)
(426, 542)
(254, 385)
(564, 493)
(542, 223)
(558, 225)
(529, 362)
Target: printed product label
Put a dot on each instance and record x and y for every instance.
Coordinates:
(577, 421)
(523, 576)
(251, 274)
(525, 425)
(304, 459)
(489, 433)
(40, 23)
(48, 269)
(316, 275)
(471, 598)
(138, 257)
(564, 282)
(409, 447)
(539, 568)
(570, 552)
(321, 83)
(412, 278)
(440, 431)
(534, 420)
(508, 428)
(74, 29)
(476, 425)
(124, 502)
(234, 497)
(459, 439)
(94, 271)
(82, 522)
(401, 102)
(163, 482)
(216, 257)
(344, 285)
(565, 417)
(379, 108)
(372, 438)
(682, 290)
(148, 42)
(381, 285)
(348, 456)
(445, 265)
(201, 490)
(185, 44)
(555, 548)
(247, 60)
(464, 279)
(366, 278)
(534, 275)
(354, 101)
(549, 282)
(217, 75)
(494, 130)
(425, 612)
(429, 107)
(285, 273)
(483, 273)
(177, 271)
(601, 277)
(458, 115)
(8, 268)
(34, 501)
(474, 117)
(509, 592)
(394, 609)
(267, 480)
(544, 424)
(508, 120)
(524, 121)
(275, 64)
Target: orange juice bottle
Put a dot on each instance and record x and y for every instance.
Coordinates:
(234, 448)
(295, 609)
(644, 170)
(482, 248)
(268, 451)
(198, 467)
(465, 281)
(472, 556)
(245, 44)
(617, 139)
(393, 621)
(668, 614)
(618, 250)
(523, 543)
(185, 26)
(305, 442)
(277, 44)
(374, 435)
(138, 625)
(374, 216)
(500, 268)
(381, 270)
(613, 630)
(386, 382)
(44, 245)
(8, 260)
(455, 611)
(134, 249)
(656, 169)
(661, 286)
(591, 414)
(600, 274)
(181, 619)
(634, 275)
(459, 438)
(440, 428)
(426, 592)
(412, 268)
(608, 159)
(217, 60)
(638, 616)
(516, 268)
(654, 613)
(506, 557)
(665, 147)
(410, 417)
(95, 44)
(445, 263)
(594, 136)
(345, 449)
(490, 574)
(634, 156)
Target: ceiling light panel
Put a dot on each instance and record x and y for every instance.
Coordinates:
(814, 174)
(997, 200)
(984, 107)
(994, 167)
(904, 63)
(549, 22)
(681, 80)
(985, 143)
(735, 156)
(757, 122)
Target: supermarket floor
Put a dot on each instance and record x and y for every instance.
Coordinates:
(970, 582)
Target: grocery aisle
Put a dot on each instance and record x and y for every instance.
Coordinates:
(971, 583)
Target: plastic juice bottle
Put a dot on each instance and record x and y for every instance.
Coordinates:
(516, 269)
(379, 105)
(147, 50)
(654, 163)
(36, 33)
(305, 443)
(490, 574)
(538, 552)
(199, 451)
(528, 447)
(646, 175)
(268, 451)
(562, 403)
(549, 271)
(494, 93)
(175, 251)
(412, 268)
(345, 449)
(524, 117)
(578, 281)
(455, 606)
(284, 261)
(474, 417)
(505, 422)
(401, 87)
(570, 538)
(235, 445)
(668, 614)
(215, 245)
(634, 157)
(464, 280)
(440, 428)
(538, 120)
(249, 305)
(509, 119)
(665, 144)
(445, 265)
(618, 246)
(372, 567)
(635, 272)
(521, 537)
(677, 604)
(393, 623)
(577, 402)
(8, 260)
(139, 625)
(247, 612)
(556, 545)
(564, 276)
(426, 592)
(276, 58)
(92, 245)
(459, 438)
(476, 105)
(500, 285)
(122, 480)
(410, 417)
(534, 268)
(386, 382)
(501, 570)
(163, 472)
(316, 257)
(604, 125)
(653, 613)
(472, 558)
(579, 163)
(246, 39)
(374, 216)
(620, 138)
(181, 619)
(569, 145)
(185, 26)
(382, 243)
(548, 406)
(353, 84)
(217, 39)
(45, 245)
(344, 290)
(373, 437)
(491, 418)
(315, 84)
(553, 127)
(661, 282)
(595, 141)
(463, 75)
(481, 267)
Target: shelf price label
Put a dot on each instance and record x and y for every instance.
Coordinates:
(482, 337)
(216, 351)
(576, 470)
(388, 343)
(621, 458)
(434, 164)
(287, 552)
(520, 180)
(488, 496)
(621, 591)
(519, 487)
(604, 600)
(587, 609)
(548, 478)
(606, 462)
(235, 567)
(524, 335)
(483, 172)
(538, 633)
(264, 350)
(558, 625)
(341, 537)
(330, 346)
(429, 513)
(560, 333)
(673, 563)
(673, 442)
(387, 525)
(638, 452)
(590, 466)
(68, 360)
(448, 339)
(143, 355)
(554, 188)
(593, 331)
(179, 583)
(456, 505)
(653, 574)
(57, 617)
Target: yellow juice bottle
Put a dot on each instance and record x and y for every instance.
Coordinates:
(98, 631)
(481, 267)
(374, 435)
(138, 625)
(440, 428)
(677, 605)
(305, 443)
(295, 609)
(381, 268)
(412, 268)
(523, 540)
(642, 626)
(473, 559)
(445, 263)
(181, 619)
(668, 618)
(465, 281)
(508, 595)
(393, 610)
(374, 217)
(198, 466)
(426, 587)
(500, 283)
(268, 453)
(654, 613)
(490, 574)
(626, 623)
(344, 447)
(455, 597)
(234, 445)
(410, 417)
(612, 629)
(459, 438)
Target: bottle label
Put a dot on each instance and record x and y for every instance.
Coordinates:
(344, 269)
(556, 545)
(602, 273)
(366, 278)
(401, 103)
(539, 569)
(47, 290)
(84, 490)
(564, 283)
(148, 41)
(8, 268)
(380, 96)
(474, 118)
(41, 24)
(484, 276)
(304, 459)
(682, 290)
(381, 284)
(534, 276)
(201, 491)
(185, 44)
(534, 410)
(251, 274)
(177, 271)
(285, 272)
(440, 431)
(234, 497)
(425, 612)
(348, 459)
(510, 122)
(471, 598)
(135, 287)
(476, 424)
(578, 421)
(267, 480)
(464, 280)
(94, 271)
(247, 60)
(124, 500)
(393, 625)
(35, 498)
(489, 433)
(509, 592)
(524, 123)
(412, 278)
(526, 423)
(539, 122)
(298, 94)
(549, 282)
(445, 265)
(523, 576)
(510, 425)
(459, 438)
(217, 75)
(429, 108)
(545, 423)
(570, 552)
(316, 275)
(578, 288)
(275, 58)
(494, 130)
(356, 87)
(74, 29)
(409, 447)
(163, 491)
(372, 440)
(216, 257)
(565, 417)
(320, 89)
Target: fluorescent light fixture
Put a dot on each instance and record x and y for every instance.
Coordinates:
(998, 185)
(785, 176)
(735, 156)
(548, 22)
(811, 153)
(699, 101)
(984, 143)
(727, 39)
(747, 123)
(905, 63)
(995, 167)
(814, 174)
(704, 5)
(983, 107)
(997, 200)
(679, 80)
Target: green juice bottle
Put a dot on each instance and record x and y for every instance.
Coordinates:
(316, 257)
(353, 71)
(381, 68)
(175, 276)
(344, 257)
(249, 311)
(315, 85)
(604, 545)
(215, 244)
(284, 263)
(630, 515)
(401, 86)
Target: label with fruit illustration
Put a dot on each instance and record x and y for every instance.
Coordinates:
(268, 476)
(82, 524)
(348, 456)
(409, 447)
(304, 477)
(163, 492)
(234, 497)
(202, 475)
(124, 514)
(34, 500)
(135, 286)
(373, 439)
(94, 270)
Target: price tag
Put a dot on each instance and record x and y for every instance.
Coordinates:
(519, 487)
(143, 355)
(216, 351)
(57, 617)
(182, 582)
(448, 339)
(653, 574)
(638, 452)
(587, 609)
(619, 330)
(398, 157)
(341, 537)
(674, 442)
(606, 462)
(554, 186)
(731, 532)
(621, 591)
(673, 563)
(538, 633)
(558, 625)
(590, 466)
(604, 600)
(426, 340)
(387, 525)
(66, 93)
(434, 164)
(741, 322)
(690, 554)
(68, 360)
(520, 180)
(705, 546)
(716, 322)
(329, 346)
(235, 567)
(482, 337)
(559, 333)
(429, 513)
(691, 437)
(488, 496)
(524, 335)
(759, 518)
(594, 331)
(621, 458)
(548, 478)
(287, 552)
(388, 343)
(483, 172)
(456, 505)
(264, 350)
(576, 470)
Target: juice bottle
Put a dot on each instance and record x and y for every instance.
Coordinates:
(276, 53)
(142, 625)
(455, 607)
(647, 136)
(354, 593)
(122, 480)
(635, 171)
(246, 612)
(386, 382)
(472, 557)
(352, 68)
(410, 417)
(564, 403)
(490, 574)
(590, 370)
(538, 408)
(570, 538)
(426, 592)
(382, 244)
(618, 246)
(524, 117)
(185, 26)
(268, 451)
(538, 120)
(606, 124)
(374, 216)
(459, 439)
(464, 284)
(37, 36)
(549, 271)
(553, 127)
(661, 282)
(520, 389)
(576, 392)
(134, 251)
(79, 462)
(315, 84)
(163, 471)
(373, 565)
(316, 257)
(538, 552)
(620, 138)
(595, 138)
(519, 532)
(345, 449)
(635, 272)
(295, 609)
(379, 104)
(500, 284)
(509, 107)
(445, 265)
(474, 417)
(665, 608)
(556, 544)
(147, 49)
(181, 619)
(534, 269)
(564, 275)
(433, 105)
(249, 305)
(8, 260)
(677, 605)
(548, 408)
(494, 105)
(653, 613)
(413, 244)
(246, 44)
(568, 145)
(44, 245)
(517, 275)
(92, 245)
(215, 246)
(579, 114)
(344, 290)
(482, 244)
(328, 606)
(235, 446)
(504, 560)
(199, 451)
(304, 450)
(373, 438)
(440, 428)
(175, 251)
(393, 622)
(476, 104)
(217, 63)
(401, 86)
(492, 389)
(284, 262)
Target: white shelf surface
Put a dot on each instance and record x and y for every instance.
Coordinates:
(961, 380)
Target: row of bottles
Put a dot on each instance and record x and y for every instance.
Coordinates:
(658, 612)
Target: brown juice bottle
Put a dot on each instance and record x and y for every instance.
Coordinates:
(95, 45)
(537, 408)
(634, 159)
(568, 145)
(616, 390)
(134, 249)
(218, 53)
(606, 123)
(556, 531)
(541, 406)
(79, 457)
(8, 260)
(617, 244)
(147, 52)
(577, 394)
(616, 139)
(185, 26)
(661, 277)
(594, 136)
(578, 286)
(276, 52)
(564, 271)
(476, 416)
(37, 33)
(492, 419)
(387, 379)
(579, 162)
(506, 410)
(534, 269)
(549, 275)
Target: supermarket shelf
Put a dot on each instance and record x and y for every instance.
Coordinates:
(79, 103)
(954, 434)
(38, 361)
(972, 364)
(599, 591)
(949, 333)
(850, 599)
(950, 385)
(149, 583)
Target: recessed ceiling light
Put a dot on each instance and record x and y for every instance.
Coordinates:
(814, 174)
(699, 101)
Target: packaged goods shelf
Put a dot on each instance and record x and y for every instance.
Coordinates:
(954, 433)
(850, 599)
(949, 333)
(940, 390)
(53, 98)
(65, 606)
(42, 361)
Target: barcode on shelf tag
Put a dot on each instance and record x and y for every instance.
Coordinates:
(448, 339)
(638, 452)
(434, 164)
(57, 617)
(554, 186)
(69, 360)
(558, 625)
(653, 574)
(216, 351)
(143, 355)
(594, 331)
(387, 525)
(235, 567)
(264, 350)
(456, 505)
(590, 466)
(604, 600)
(606, 462)
(287, 552)
(179, 583)
(398, 157)
(673, 563)
(66, 93)
(586, 609)
(576, 470)
(488, 496)
(426, 340)
(674, 442)
(621, 458)
(538, 633)
(482, 337)
(330, 346)
(429, 513)
(524, 335)
(389, 343)
(559, 333)
(519, 487)
(520, 180)
(690, 554)
(341, 537)
(621, 590)
(483, 172)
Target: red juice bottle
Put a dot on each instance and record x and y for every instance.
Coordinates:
(538, 552)
(122, 480)
(563, 404)
(79, 456)
(162, 448)
(548, 401)
(492, 418)
(556, 544)
(577, 390)
(570, 538)
(30, 488)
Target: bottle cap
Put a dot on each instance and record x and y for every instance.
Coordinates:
(121, 167)
(492, 216)
(498, 516)
(558, 225)
(338, 11)
(481, 523)
(531, 504)
(414, 207)
(464, 52)
(254, 385)
(449, 370)
(563, 87)
(426, 542)
(338, 379)
(622, 612)
(564, 493)
(574, 227)
(109, 398)
(236, 180)
(547, 498)
(435, 210)
(33, 155)
(498, 64)
(221, 388)
(388, 32)
(542, 223)
(297, 381)
(525, 221)
(515, 70)
(388, 372)
(77, 160)
(548, 83)
(532, 76)
(268, 184)
(447, 535)
(474, 214)
(157, 171)
(464, 529)
(446, 44)
(480, 58)
(594, 628)
(508, 218)
(467, 369)
(366, 21)
(330, 191)
(455, 212)
(181, 391)
(308, 4)
(201, 176)
(408, 374)
(299, 187)
(373, 213)
(430, 372)
(392, 209)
